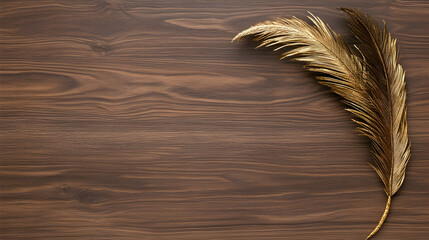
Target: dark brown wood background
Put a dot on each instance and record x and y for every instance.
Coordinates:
(139, 120)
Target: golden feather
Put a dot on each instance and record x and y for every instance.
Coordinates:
(391, 147)
(371, 84)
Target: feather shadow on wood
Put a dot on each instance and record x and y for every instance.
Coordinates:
(368, 78)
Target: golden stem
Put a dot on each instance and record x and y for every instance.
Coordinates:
(380, 223)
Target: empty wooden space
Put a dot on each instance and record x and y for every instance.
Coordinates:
(140, 120)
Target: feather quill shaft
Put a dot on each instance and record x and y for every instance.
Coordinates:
(371, 84)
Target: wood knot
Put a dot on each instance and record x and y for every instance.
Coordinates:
(101, 48)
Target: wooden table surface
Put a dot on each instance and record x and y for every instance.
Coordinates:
(140, 120)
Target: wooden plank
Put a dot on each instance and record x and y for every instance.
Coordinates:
(139, 120)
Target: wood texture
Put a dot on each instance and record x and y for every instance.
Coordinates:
(139, 120)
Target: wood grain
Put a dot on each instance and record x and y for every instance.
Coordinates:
(139, 120)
